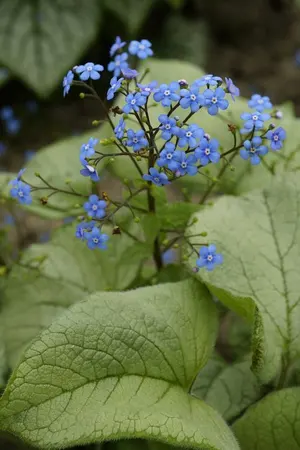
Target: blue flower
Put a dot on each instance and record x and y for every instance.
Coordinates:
(207, 151)
(253, 150)
(136, 140)
(191, 98)
(232, 88)
(115, 85)
(67, 82)
(166, 94)
(116, 46)
(168, 126)
(129, 74)
(13, 126)
(215, 100)
(141, 49)
(147, 89)
(276, 137)
(120, 62)
(254, 121)
(133, 102)
(96, 239)
(208, 257)
(21, 191)
(210, 80)
(184, 163)
(87, 150)
(89, 70)
(160, 179)
(95, 207)
(89, 171)
(166, 157)
(168, 256)
(6, 113)
(260, 103)
(120, 129)
(189, 136)
(83, 228)
(3, 148)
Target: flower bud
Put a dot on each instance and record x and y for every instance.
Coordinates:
(96, 122)
(279, 114)
(203, 234)
(176, 245)
(137, 219)
(272, 126)
(44, 200)
(81, 95)
(195, 269)
(37, 174)
(207, 136)
(183, 83)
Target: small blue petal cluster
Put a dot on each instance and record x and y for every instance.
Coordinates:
(89, 232)
(20, 190)
(209, 258)
(260, 135)
(11, 123)
(95, 208)
(89, 71)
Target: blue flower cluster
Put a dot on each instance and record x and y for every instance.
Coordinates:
(20, 190)
(11, 123)
(89, 232)
(256, 146)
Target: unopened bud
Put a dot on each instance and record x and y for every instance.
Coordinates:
(138, 158)
(195, 269)
(77, 205)
(183, 83)
(165, 242)
(137, 219)
(111, 160)
(185, 257)
(195, 219)
(231, 127)
(68, 181)
(176, 245)
(116, 230)
(44, 200)
(81, 95)
(176, 118)
(207, 136)
(96, 122)
(272, 126)
(279, 114)
(203, 234)
(37, 174)
(3, 271)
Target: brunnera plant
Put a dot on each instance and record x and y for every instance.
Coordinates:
(137, 362)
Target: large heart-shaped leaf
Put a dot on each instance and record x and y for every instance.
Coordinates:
(259, 236)
(119, 365)
(271, 423)
(41, 40)
(55, 275)
(132, 13)
(227, 388)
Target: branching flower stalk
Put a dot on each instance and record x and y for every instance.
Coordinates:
(166, 141)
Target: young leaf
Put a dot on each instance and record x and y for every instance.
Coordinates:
(227, 388)
(45, 39)
(119, 365)
(55, 275)
(271, 423)
(259, 236)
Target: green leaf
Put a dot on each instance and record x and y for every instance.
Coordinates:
(259, 235)
(48, 37)
(58, 163)
(271, 423)
(119, 365)
(55, 275)
(227, 388)
(176, 4)
(3, 363)
(132, 13)
(176, 215)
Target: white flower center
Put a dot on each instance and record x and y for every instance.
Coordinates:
(252, 150)
(188, 134)
(260, 101)
(142, 47)
(167, 92)
(95, 240)
(94, 207)
(113, 86)
(183, 165)
(20, 193)
(133, 101)
(167, 126)
(254, 117)
(156, 179)
(275, 138)
(86, 147)
(135, 140)
(207, 78)
(214, 100)
(89, 68)
(147, 89)
(90, 168)
(169, 155)
(209, 258)
(193, 97)
(117, 63)
(207, 151)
